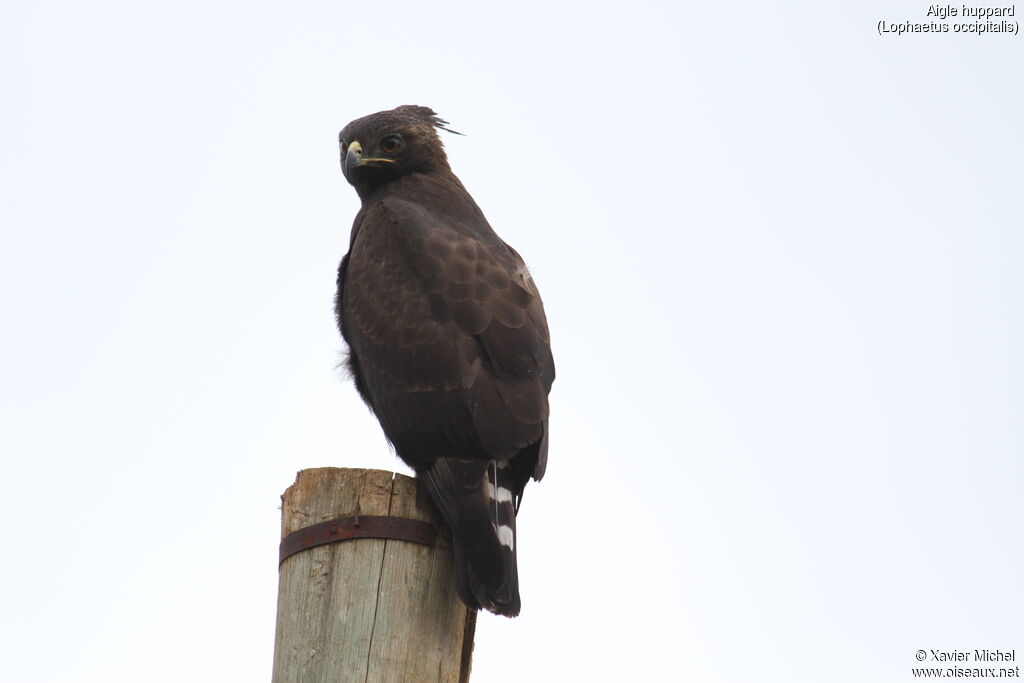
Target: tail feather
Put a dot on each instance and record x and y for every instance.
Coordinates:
(477, 501)
(502, 513)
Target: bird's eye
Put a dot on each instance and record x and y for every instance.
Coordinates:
(391, 144)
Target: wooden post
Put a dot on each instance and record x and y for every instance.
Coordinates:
(367, 609)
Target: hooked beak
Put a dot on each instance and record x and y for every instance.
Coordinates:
(354, 157)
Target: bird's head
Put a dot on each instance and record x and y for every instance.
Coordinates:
(382, 147)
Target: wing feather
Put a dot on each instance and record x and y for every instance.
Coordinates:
(446, 324)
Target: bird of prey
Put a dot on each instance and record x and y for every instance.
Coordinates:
(448, 342)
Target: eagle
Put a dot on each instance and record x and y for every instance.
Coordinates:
(447, 342)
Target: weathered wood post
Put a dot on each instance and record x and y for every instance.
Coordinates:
(372, 608)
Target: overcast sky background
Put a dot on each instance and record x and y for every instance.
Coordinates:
(782, 263)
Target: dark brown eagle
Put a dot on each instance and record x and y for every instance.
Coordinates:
(448, 343)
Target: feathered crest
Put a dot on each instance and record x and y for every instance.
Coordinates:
(425, 114)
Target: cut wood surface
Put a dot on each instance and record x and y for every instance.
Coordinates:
(367, 609)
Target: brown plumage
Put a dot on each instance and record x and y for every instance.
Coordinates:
(448, 342)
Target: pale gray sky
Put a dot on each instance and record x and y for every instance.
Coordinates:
(781, 259)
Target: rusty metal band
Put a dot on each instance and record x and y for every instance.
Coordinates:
(361, 526)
